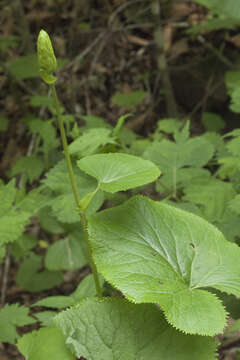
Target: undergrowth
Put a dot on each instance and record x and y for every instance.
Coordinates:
(165, 268)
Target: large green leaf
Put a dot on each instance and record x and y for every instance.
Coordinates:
(170, 155)
(181, 178)
(117, 172)
(213, 195)
(112, 328)
(46, 343)
(157, 253)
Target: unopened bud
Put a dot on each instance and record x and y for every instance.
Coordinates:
(46, 59)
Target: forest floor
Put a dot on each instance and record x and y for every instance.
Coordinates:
(110, 48)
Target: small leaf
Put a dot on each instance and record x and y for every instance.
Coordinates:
(156, 253)
(213, 195)
(65, 209)
(230, 225)
(12, 222)
(12, 316)
(212, 122)
(46, 343)
(117, 129)
(234, 146)
(34, 201)
(182, 178)
(234, 327)
(37, 100)
(169, 126)
(57, 179)
(86, 288)
(8, 41)
(24, 67)
(234, 204)
(112, 328)
(46, 317)
(64, 205)
(32, 166)
(25, 243)
(47, 133)
(49, 222)
(66, 254)
(55, 302)
(32, 280)
(95, 121)
(4, 121)
(118, 172)
(91, 141)
(131, 99)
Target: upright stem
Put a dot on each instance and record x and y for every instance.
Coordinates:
(75, 191)
(89, 249)
(65, 145)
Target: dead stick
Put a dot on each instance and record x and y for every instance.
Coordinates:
(5, 276)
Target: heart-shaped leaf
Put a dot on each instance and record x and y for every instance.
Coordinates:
(157, 253)
(117, 172)
(112, 328)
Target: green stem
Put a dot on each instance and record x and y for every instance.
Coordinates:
(89, 249)
(65, 145)
(75, 191)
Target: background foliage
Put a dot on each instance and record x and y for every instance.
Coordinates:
(158, 80)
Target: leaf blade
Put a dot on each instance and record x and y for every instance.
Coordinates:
(152, 252)
(119, 172)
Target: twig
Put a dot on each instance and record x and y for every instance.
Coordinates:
(18, 12)
(98, 53)
(86, 51)
(210, 92)
(215, 51)
(229, 345)
(5, 276)
(120, 9)
(162, 62)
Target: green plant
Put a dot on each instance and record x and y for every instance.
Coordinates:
(165, 257)
(225, 15)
